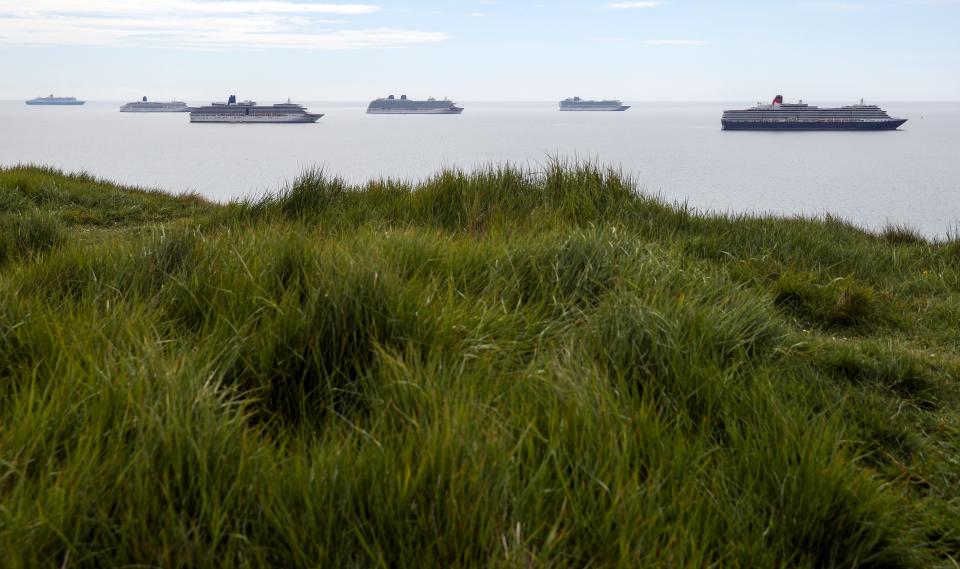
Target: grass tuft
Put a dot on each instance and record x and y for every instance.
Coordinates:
(841, 303)
(27, 235)
(899, 234)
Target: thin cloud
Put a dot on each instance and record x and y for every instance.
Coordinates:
(209, 34)
(195, 24)
(834, 6)
(633, 5)
(674, 42)
(121, 7)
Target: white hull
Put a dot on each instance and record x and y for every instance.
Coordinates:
(600, 110)
(51, 100)
(254, 119)
(157, 110)
(413, 112)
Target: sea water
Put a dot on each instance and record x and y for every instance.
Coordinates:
(674, 150)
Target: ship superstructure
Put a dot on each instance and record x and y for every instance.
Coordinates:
(801, 116)
(578, 104)
(250, 112)
(146, 106)
(404, 106)
(51, 100)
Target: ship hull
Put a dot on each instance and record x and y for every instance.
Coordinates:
(63, 104)
(170, 110)
(453, 111)
(892, 124)
(245, 119)
(621, 108)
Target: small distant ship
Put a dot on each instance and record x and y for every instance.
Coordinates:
(800, 116)
(578, 104)
(251, 112)
(51, 100)
(146, 106)
(404, 106)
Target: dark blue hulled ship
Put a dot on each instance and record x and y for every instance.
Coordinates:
(800, 116)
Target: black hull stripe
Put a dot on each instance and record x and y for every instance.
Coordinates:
(884, 125)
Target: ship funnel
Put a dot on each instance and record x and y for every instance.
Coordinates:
(778, 100)
(232, 100)
(403, 97)
(390, 97)
(144, 99)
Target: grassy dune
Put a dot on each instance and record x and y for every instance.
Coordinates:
(500, 369)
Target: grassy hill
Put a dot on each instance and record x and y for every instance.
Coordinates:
(500, 369)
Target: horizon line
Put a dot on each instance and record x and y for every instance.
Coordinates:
(624, 99)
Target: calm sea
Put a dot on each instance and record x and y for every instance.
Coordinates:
(677, 150)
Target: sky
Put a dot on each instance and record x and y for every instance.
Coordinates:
(477, 50)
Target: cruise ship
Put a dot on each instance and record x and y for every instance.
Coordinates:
(146, 106)
(51, 100)
(800, 116)
(404, 106)
(578, 104)
(251, 112)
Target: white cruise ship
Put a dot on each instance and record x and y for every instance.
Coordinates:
(51, 100)
(578, 104)
(404, 106)
(251, 112)
(146, 106)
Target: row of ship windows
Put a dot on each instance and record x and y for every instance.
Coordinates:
(805, 116)
(783, 118)
(235, 115)
(808, 111)
(794, 119)
(412, 105)
(242, 111)
(858, 113)
(784, 115)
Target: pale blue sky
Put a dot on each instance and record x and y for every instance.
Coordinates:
(747, 50)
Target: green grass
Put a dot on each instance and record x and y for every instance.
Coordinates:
(507, 368)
